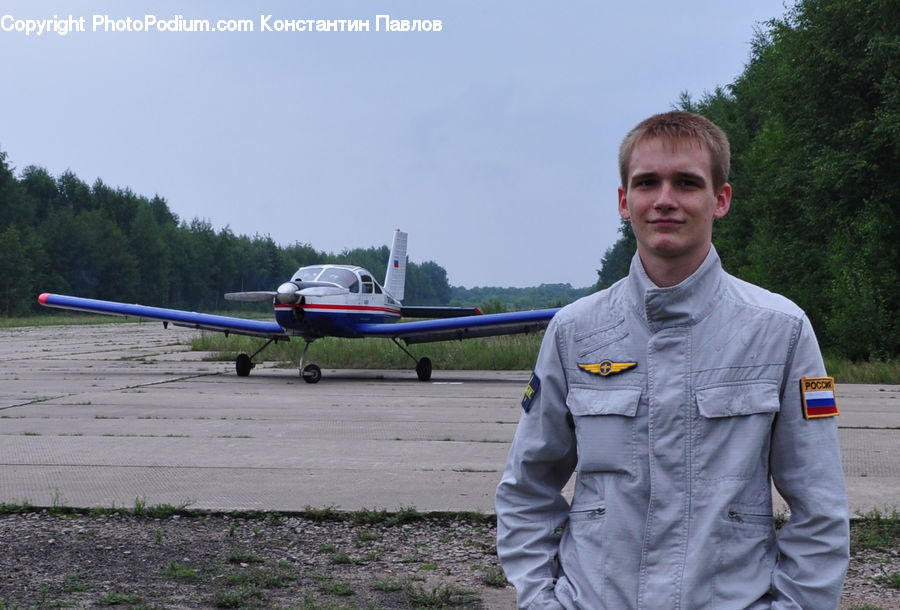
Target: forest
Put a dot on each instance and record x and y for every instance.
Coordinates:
(61, 235)
(814, 123)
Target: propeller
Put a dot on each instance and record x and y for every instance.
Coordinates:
(288, 293)
(249, 297)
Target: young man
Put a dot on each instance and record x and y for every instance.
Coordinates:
(680, 395)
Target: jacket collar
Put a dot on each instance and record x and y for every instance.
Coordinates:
(681, 305)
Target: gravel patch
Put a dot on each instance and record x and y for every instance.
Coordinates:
(224, 561)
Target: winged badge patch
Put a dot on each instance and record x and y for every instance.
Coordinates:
(607, 367)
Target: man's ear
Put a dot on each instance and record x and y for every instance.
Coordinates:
(723, 201)
(623, 204)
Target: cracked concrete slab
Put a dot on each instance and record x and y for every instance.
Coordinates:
(103, 415)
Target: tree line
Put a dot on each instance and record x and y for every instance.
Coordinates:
(496, 299)
(814, 124)
(61, 235)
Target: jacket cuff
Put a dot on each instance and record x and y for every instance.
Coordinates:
(545, 600)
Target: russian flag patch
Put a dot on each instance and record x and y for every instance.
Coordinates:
(818, 397)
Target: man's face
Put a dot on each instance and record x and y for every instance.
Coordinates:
(670, 201)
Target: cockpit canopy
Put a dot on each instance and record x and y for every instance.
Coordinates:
(354, 279)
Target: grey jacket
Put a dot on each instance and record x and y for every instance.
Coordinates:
(675, 456)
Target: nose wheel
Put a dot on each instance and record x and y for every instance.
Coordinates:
(311, 373)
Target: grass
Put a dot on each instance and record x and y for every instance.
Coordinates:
(65, 319)
(510, 352)
(178, 571)
(494, 576)
(387, 585)
(876, 530)
(158, 511)
(877, 372)
(441, 596)
(114, 598)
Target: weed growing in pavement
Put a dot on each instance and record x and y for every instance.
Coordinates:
(441, 596)
(876, 530)
(179, 571)
(239, 556)
(114, 598)
(494, 576)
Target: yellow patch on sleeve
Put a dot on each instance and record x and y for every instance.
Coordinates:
(817, 394)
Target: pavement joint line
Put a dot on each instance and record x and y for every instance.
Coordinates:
(52, 356)
(116, 389)
(36, 401)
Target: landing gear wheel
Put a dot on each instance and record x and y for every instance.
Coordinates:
(242, 365)
(423, 369)
(311, 373)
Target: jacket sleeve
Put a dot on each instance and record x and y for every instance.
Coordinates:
(805, 461)
(530, 506)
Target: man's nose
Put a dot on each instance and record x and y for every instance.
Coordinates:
(665, 198)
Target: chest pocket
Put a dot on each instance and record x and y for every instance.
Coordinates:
(605, 428)
(733, 428)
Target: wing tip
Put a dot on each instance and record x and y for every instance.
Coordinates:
(43, 298)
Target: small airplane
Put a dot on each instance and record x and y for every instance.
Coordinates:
(333, 301)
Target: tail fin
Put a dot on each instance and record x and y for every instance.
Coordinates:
(395, 278)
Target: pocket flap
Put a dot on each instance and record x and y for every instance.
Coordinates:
(738, 399)
(588, 401)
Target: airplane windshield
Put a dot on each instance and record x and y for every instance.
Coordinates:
(342, 277)
(307, 274)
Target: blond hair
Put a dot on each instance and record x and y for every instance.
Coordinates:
(678, 126)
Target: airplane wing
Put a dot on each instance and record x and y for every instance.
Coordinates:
(467, 327)
(426, 311)
(188, 319)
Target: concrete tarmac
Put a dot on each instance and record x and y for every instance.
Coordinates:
(107, 415)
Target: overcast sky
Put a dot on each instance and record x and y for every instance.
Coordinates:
(492, 142)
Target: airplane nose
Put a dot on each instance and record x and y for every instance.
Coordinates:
(287, 293)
